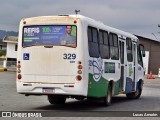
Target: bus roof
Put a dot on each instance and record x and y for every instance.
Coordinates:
(85, 19)
(102, 25)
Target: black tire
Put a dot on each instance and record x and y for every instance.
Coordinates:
(137, 94)
(56, 99)
(107, 100)
(79, 98)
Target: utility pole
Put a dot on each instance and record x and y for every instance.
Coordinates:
(154, 36)
(77, 11)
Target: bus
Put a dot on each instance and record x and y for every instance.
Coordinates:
(73, 56)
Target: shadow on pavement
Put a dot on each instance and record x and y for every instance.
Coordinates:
(84, 104)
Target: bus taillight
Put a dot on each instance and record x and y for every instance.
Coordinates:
(18, 66)
(19, 76)
(27, 84)
(79, 78)
(80, 67)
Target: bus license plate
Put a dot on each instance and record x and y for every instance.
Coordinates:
(47, 90)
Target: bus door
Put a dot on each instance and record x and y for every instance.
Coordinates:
(135, 62)
(123, 61)
(130, 78)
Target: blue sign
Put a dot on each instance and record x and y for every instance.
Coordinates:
(25, 56)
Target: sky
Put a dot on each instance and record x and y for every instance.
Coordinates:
(139, 17)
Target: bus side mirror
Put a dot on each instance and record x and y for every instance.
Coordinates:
(142, 50)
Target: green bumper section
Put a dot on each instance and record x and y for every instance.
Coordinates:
(97, 89)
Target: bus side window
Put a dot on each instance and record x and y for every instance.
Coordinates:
(93, 42)
(129, 50)
(139, 56)
(121, 44)
(114, 49)
(104, 46)
(89, 34)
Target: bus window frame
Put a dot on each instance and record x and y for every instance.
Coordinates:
(129, 48)
(103, 31)
(91, 27)
(139, 56)
(112, 34)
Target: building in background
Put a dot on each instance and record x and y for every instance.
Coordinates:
(152, 48)
(151, 62)
(11, 51)
(3, 47)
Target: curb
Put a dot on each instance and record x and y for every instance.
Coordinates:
(3, 69)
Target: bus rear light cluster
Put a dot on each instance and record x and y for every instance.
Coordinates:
(80, 67)
(79, 72)
(18, 66)
(19, 76)
(19, 70)
(79, 78)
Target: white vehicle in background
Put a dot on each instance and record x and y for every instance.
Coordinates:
(75, 56)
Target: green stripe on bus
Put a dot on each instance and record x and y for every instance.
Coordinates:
(97, 89)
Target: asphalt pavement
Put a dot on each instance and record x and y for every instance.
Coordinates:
(10, 100)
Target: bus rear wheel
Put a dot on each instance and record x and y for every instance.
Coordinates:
(56, 99)
(80, 98)
(135, 95)
(108, 98)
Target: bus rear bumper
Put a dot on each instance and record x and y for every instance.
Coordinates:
(48, 89)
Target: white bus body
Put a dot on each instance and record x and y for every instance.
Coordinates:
(61, 71)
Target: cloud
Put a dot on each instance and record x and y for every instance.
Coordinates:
(136, 16)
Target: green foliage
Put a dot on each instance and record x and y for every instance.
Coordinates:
(1, 53)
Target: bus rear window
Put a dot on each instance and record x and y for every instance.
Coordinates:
(65, 35)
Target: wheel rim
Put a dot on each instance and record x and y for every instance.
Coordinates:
(109, 97)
